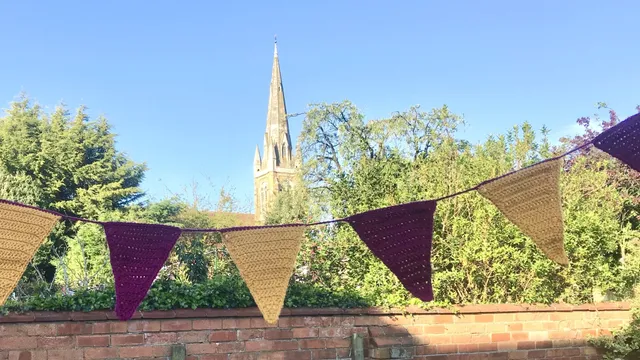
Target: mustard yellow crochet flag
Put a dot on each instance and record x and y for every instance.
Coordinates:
(266, 258)
(22, 230)
(530, 198)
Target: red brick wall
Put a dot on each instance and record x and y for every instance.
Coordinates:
(474, 332)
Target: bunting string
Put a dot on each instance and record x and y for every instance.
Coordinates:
(400, 236)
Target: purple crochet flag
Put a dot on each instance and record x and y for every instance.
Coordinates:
(138, 252)
(622, 141)
(400, 236)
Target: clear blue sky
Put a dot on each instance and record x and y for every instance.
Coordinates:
(185, 84)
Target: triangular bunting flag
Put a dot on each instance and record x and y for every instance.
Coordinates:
(22, 230)
(137, 252)
(622, 141)
(266, 258)
(401, 237)
(530, 198)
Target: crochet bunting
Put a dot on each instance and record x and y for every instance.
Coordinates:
(137, 253)
(401, 237)
(266, 258)
(622, 141)
(22, 230)
(530, 199)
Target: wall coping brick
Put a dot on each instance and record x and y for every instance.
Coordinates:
(52, 316)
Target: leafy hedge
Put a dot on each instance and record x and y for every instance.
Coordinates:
(220, 292)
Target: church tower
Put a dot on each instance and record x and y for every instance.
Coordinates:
(276, 168)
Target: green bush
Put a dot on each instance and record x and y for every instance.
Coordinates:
(219, 292)
(624, 343)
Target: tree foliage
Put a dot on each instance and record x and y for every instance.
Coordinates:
(352, 165)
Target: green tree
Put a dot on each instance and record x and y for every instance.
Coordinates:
(352, 165)
(63, 163)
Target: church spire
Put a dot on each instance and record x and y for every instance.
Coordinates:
(277, 122)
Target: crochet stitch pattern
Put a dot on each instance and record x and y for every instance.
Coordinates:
(22, 231)
(266, 258)
(137, 253)
(401, 237)
(622, 141)
(530, 198)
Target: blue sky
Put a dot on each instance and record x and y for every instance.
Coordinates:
(185, 84)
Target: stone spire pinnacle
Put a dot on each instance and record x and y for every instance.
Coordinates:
(277, 123)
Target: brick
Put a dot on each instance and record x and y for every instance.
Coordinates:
(446, 348)
(228, 347)
(307, 321)
(461, 339)
(231, 347)
(499, 356)
(486, 347)
(92, 340)
(17, 343)
(100, 353)
(207, 324)
(13, 330)
(55, 342)
(118, 327)
(74, 329)
(514, 327)
(324, 354)
(144, 351)
(519, 336)
(269, 345)
(277, 334)
(468, 348)
(222, 357)
(518, 355)
(342, 321)
(368, 321)
(241, 356)
(288, 355)
(250, 334)
(192, 336)
(313, 344)
(222, 336)
(499, 337)
(67, 354)
(335, 332)
(39, 329)
(195, 349)
(507, 346)
(504, 317)
(387, 341)
(101, 328)
(259, 323)
(538, 335)
(236, 323)
(526, 345)
(127, 339)
(285, 345)
(144, 326)
(176, 325)
(537, 354)
(301, 333)
(380, 353)
(161, 338)
(440, 339)
(484, 318)
(443, 319)
(544, 344)
(337, 343)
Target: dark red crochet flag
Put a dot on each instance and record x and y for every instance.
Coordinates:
(137, 252)
(401, 236)
(622, 141)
